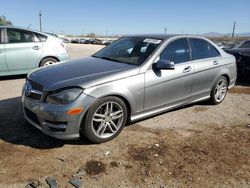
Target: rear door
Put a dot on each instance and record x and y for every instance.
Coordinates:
(22, 50)
(3, 66)
(207, 63)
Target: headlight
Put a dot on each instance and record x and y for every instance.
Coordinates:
(64, 96)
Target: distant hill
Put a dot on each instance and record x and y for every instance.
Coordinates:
(216, 34)
(243, 34)
(213, 34)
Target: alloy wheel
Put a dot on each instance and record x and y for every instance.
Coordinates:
(107, 119)
(220, 90)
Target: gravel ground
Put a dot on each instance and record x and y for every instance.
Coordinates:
(195, 146)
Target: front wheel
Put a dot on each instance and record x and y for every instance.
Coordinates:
(219, 90)
(105, 119)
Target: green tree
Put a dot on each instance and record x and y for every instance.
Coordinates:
(4, 21)
(91, 35)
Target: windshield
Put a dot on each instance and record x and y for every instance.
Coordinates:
(245, 44)
(130, 50)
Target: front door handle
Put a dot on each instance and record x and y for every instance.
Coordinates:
(216, 62)
(35, 47)
(187, 69)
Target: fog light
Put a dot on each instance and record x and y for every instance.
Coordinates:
(75, 111)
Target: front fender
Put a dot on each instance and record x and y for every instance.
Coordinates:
(130, 88)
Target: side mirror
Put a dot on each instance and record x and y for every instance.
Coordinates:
(164, 64)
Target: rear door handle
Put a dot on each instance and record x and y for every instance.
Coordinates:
(35, 47)
(216, 62)
(187, 69)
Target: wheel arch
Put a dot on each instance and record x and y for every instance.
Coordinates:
(224, 72)
(227, 77)
(125, 100)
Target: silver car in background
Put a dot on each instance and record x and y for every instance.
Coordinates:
(22, 50)
(133, 78)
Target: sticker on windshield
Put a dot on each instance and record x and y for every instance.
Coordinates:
(154, 41)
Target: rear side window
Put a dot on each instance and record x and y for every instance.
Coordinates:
(177, 51)
(42, 38)
(201, 49)
(19, 36)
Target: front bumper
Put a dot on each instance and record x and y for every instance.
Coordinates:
(53, 120)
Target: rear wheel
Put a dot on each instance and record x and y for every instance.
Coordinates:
(219, 90)
(48, 61)
(105, 119)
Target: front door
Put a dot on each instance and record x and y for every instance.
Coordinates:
(22, 52)
(170, 87)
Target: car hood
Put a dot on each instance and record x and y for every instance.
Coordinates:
(77, 72)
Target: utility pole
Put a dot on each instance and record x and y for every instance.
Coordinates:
(233, 29)
(40, 20)
(165, 30)
(106, 31)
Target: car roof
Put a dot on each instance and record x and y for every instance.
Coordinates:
(15, 27)
(165, 36)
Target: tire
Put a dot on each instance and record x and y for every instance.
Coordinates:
(219, 90)
(48, 61)
(105, 119)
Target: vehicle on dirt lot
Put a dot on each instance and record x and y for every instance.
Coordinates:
(242, 55)
(133, 78)
(22, 50)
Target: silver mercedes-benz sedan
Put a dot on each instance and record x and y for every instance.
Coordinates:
(133, 78)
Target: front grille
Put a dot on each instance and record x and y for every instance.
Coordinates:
(35, 96)
(36, 86)
(33, 90)
(32, 116)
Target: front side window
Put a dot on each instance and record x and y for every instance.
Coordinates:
(202, 49)
(130, 50)
(19, 36)
(177, 51)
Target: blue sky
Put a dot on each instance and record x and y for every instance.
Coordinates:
(130, 16)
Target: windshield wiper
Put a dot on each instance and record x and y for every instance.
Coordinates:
(106, 58)
(110, 59)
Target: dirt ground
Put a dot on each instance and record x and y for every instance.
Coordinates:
(196, 146)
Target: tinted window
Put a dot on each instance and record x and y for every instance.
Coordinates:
(19, 36)
(42, 38)
(245, 44)
(202, 49)
(176, 51)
